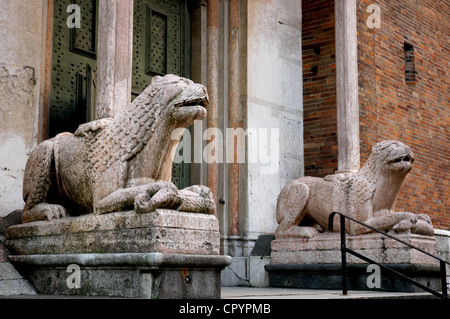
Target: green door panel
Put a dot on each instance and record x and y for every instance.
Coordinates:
(74, 67)
(161, 40)
(161, 45)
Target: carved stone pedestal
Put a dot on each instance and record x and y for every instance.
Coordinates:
(315, 263)
(164, 254)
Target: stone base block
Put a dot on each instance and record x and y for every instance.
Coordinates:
(164, 230)
(325, 249)
(315, 263)
(132, 275)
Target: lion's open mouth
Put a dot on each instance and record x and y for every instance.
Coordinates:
(404, 158)
(194, 102)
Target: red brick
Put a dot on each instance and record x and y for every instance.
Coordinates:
(417, 114)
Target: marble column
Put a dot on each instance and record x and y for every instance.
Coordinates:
(115, 53)
(233, 113)
(213, 87)
(347, 86)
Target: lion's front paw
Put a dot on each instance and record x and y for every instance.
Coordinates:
(197, 199)
(296, 232)
(405, 221)
(166, 197)
(143, 204)
(424, 218)
(411, 217)
(415, 223)
(424, 226)
(403, 226)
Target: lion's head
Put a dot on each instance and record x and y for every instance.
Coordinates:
(168, 103)
(382, 175)
(393, 157)
(175, 98)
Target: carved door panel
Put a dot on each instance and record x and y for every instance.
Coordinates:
(161, 45)
(73, 66)
(161, 40)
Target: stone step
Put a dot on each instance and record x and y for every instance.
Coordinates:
(272, 294)
(12, 283)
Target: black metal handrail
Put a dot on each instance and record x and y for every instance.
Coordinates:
(345, 250)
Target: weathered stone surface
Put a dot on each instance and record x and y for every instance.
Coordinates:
(19, 109)
(12, 283)
(443, 249)
(114, 164)
(325, 249)
(316, 263)
(161, 231)
(367, 196)
(132, 275)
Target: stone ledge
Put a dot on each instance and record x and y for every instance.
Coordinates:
(119, 220)
(15, 287)
(442, 232)
(12, 283)
(122, 260)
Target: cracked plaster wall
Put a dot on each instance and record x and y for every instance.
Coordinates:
(21, 60)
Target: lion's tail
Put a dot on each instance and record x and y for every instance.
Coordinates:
(292, 202)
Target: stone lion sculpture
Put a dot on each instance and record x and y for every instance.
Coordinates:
(119, 163)
(367, 196)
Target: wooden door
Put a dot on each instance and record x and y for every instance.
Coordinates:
(161, 45)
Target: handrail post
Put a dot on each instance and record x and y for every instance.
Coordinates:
(443, 279)
(343, 256)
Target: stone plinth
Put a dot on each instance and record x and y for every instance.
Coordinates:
(315, 263)
(325, 249)
(164, 230)
(129, 275)
(163, 254)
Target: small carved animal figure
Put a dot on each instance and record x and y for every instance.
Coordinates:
(117, 163)
(368, 196)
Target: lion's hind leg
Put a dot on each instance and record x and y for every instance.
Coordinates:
(38, 178)
(291, 210)
(197, 199)
(44, 211)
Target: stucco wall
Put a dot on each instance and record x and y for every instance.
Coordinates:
(21, 35)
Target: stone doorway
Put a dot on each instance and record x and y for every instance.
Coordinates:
(161, 45)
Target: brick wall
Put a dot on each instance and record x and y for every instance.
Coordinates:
(319, 87)
(403, 93)
(413, 107)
